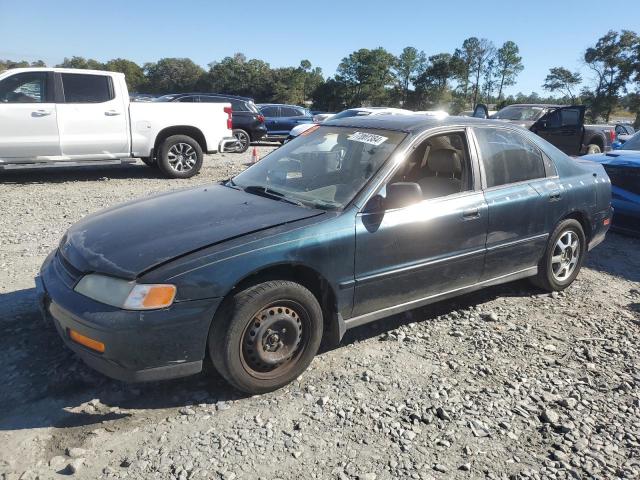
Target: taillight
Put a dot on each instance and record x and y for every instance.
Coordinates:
(229, 113)
(612, 135)
(260, 118)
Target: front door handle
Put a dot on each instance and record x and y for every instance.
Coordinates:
(41, 113)
(111, 113)
(471, 213)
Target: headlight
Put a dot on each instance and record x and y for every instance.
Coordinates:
(125, 294)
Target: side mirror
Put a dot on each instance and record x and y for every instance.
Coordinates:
(402, 194)
(481, 111)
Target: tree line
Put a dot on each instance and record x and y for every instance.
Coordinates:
(476, 72)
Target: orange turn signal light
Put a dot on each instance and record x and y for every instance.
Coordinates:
(606, 221)
(86, 341)
(159, 296)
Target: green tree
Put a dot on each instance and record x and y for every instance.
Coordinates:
(367, 76)
(173, 75)
(508, 65)
(81, 62)
(432, 85)
(238, 75)
(409, 64)
(462, 64)
(562, 80)
(611, 60)
(8, 64)
(330, 96)
(484, 53)
(133, 73)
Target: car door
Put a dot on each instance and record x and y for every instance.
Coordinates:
(271, 118)
(291, 117)
(92, 119)
(562, 127)
(28, 117)
(519, 196)
(407, 255)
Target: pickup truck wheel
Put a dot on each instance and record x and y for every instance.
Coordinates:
(265, 336)
(243, 140)
(563, 257)
(180, 157)
(592, 148)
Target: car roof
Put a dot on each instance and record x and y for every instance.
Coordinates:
(209, 94)
(411, 123)
(542, 105)
(277, 105)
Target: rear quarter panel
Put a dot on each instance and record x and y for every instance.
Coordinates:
(150, 118)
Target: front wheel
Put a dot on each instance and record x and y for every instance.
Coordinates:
(563, 257)
(265, 336)
(180, 156)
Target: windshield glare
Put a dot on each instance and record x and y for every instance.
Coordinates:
(519, 113)
(633, 143)
(325, 168)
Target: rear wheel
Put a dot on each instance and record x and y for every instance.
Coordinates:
(592, 148)
(243, 140)
(180, 156)
(563, 257)
(265, 336)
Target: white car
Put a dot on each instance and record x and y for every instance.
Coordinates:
(351, 112)
(56, 115)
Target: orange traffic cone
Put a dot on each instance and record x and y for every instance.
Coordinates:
(254, 155)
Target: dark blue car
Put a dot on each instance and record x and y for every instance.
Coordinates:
(280, 119)
(359, 219)
(623, 167)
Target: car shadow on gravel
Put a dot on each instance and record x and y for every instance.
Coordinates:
(45, 385)
(617, 256)
(84, 173)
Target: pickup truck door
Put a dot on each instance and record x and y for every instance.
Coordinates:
(28, 123)
(562, 127)
(93, 118)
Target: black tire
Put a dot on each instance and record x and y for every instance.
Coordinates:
(549, 270)
(592, 149)
(149, 161)
(264, 312)
(244, 139)
(174, 146)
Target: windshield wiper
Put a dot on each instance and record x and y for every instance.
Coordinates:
(269, 193)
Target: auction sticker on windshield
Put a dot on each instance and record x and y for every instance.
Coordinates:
(369, 138)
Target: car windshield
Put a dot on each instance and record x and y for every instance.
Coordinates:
(324, 167)
(633, 143)
(519, 113)
(350, 113)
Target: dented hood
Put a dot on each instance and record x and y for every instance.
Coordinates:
(135, 237)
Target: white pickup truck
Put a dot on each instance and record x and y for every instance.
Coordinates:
(51, 115)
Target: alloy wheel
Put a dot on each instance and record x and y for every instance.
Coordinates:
(182, 157)
(566, 253)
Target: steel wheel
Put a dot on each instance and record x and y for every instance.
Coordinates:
(274, 339)
(566, 254)
(182, 157)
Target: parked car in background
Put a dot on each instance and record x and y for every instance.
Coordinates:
(360, 219)
(623, 168)
(248, 122)
(561, 125)
(350, 112)
(624, 132)
(50, 115)
(280, 119)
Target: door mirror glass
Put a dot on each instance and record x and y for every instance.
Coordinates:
(402, 194)
(481, 111)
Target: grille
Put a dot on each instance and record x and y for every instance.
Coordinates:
(67, 272)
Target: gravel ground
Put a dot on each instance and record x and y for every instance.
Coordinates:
(505, 383)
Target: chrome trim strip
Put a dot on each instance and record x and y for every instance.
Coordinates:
(517, 242)
(385, 312)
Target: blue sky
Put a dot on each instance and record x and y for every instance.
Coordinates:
(549, 33)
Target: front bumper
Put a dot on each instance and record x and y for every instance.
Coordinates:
(139, 346)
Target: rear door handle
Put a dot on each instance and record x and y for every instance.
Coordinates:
(471, 213)
(555, 196)
(111, 113)
(41, 113)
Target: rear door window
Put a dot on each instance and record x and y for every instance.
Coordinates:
(270, 111)
(508, 157)
(84, 88)
(291, 112)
